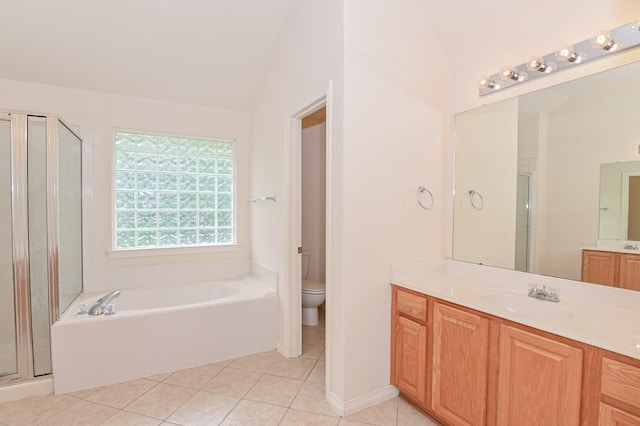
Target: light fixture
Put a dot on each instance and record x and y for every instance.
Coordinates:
(568, 53)
(602, 40)
(488, 83)
(536, 63)
(602, 44)
(513, 74)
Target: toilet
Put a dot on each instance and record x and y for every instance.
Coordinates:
(313, 294)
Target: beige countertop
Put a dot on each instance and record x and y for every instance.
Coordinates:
(601, 316)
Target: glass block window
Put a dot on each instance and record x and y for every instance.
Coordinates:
(173, 191)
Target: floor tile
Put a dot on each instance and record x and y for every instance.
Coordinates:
(409, 416)
(312, 350)
(121, 394)
(318, 374)
(124, 418)
(161, 401)
(83, 413)
(35, 410)
(312, 398)
(194, 378)
(232, 382)
(297, 418)
(204, 409)
(258, 363)
(82, 394)
(251, 413)
(294, 368)
(275, 390)
(345, 422)
(159, 377)
(382, 414)
(224, 363)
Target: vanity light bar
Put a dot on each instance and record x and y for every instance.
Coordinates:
(603, 43)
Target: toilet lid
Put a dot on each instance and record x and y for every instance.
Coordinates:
(312, 286)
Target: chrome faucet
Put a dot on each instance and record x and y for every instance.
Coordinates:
(630, 247)
(544, 293)
(98, 307)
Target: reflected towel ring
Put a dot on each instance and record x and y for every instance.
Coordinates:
(423, 190)
(479, 200)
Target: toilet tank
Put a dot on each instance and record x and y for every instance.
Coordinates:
(305, 264)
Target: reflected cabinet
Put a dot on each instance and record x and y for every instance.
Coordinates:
(611, 268)
(464, 367)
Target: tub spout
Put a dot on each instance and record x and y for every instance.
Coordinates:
(98, 307)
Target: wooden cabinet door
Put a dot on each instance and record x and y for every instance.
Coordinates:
(460, 365)
(629, 271)
(410, 358)
(599, 267)
(610, 416)
(539, 380)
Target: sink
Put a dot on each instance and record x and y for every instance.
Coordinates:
(526, 306)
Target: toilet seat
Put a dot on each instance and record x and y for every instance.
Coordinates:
(313, 287)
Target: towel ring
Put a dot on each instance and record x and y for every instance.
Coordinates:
(476, 200)
(423, 190)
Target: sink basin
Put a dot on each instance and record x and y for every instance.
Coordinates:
(526, 306)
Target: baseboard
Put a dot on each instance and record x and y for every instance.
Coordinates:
(346, 408)
(26, 389)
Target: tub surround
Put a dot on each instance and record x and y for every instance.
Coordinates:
(135, 343)
(604, 317)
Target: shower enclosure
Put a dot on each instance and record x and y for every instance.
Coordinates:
(40, 238)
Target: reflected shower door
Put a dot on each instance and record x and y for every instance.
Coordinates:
(8, 345)
(523, 201)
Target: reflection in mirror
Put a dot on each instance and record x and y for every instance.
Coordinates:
(620, 201)
(537, 160)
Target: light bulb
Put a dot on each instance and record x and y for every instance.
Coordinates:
(536, 63)
(602, 40)
(566, 53)
(511, 73)
(487, 82)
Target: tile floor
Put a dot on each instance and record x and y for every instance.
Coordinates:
(262, 389)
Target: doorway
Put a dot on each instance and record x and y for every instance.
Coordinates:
(313, 228)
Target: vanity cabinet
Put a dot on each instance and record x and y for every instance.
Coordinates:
(611, 268)
(409, 343)
(460, 365)
(539, 380)
(619, 402)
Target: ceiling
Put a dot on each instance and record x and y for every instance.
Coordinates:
(205, 52)
(215, 52)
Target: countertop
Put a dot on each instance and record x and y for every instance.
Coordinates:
(601, 316)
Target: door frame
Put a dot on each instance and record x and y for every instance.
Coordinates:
(292, 339)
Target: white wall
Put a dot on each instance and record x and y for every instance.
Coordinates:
(306, 60)
(313, 198)
(395, 116)
(95, 115)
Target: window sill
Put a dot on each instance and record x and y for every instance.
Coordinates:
(169, 251)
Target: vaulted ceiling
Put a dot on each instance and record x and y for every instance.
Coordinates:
(207, 52)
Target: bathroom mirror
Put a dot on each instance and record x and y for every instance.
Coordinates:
(528, 189)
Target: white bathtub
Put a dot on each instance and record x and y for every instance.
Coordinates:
(159, 330)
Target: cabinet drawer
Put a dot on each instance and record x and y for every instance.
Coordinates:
(621, 381)
(610, 416)
(411, 305)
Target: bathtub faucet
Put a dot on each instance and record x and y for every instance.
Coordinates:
(98, 307)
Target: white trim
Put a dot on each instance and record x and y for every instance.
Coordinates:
(346, 408)
(26, 389)
(169, 251)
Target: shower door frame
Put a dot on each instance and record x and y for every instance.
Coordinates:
(20, 236)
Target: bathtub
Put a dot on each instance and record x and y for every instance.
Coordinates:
(163, 329)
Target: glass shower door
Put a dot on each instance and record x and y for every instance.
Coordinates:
(8, 344)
